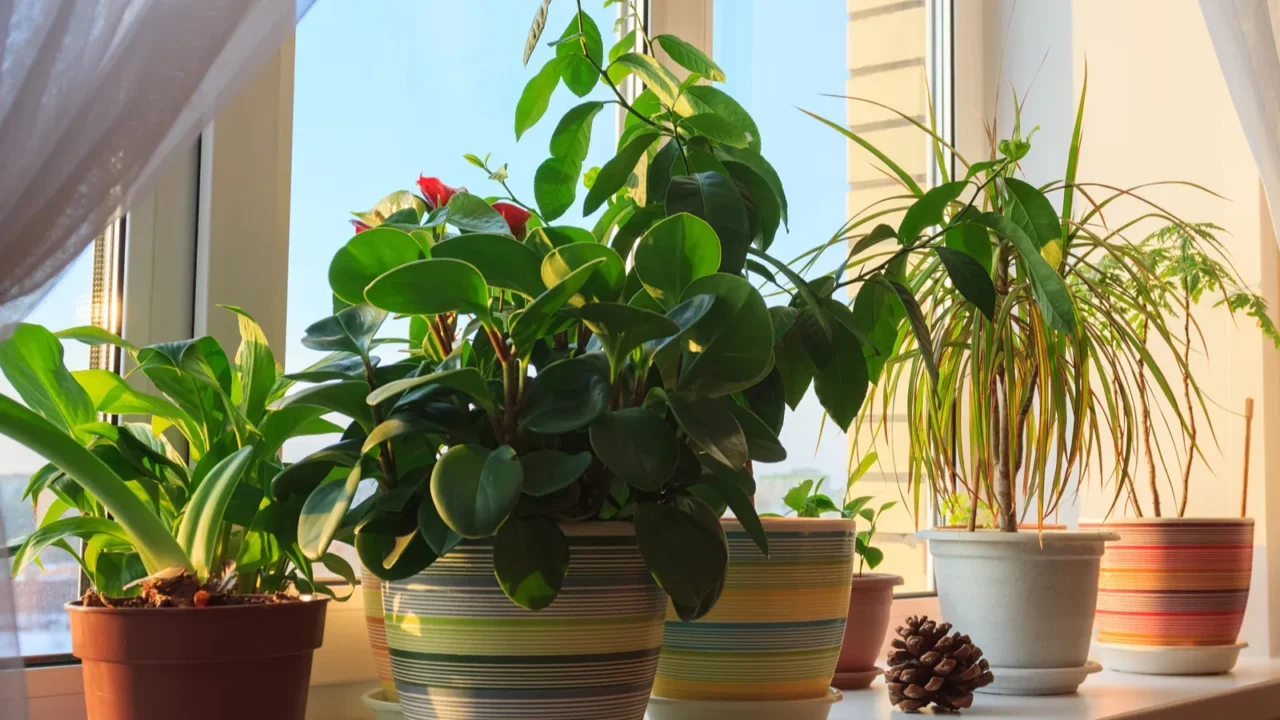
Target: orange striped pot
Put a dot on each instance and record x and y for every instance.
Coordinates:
(371, 587)
(1174, 581)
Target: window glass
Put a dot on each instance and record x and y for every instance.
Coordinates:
(39, 596)
(778, 57)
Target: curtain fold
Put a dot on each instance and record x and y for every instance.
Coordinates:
(1244, 34)
(94, 97)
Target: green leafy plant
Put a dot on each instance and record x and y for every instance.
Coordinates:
(179, 484)
(808, 501)
(627, 372)
(1030, 331)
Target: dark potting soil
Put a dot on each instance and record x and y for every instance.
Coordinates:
(182, 591)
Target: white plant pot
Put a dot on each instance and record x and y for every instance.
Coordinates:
(1025, 598)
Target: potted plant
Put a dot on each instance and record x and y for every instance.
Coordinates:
(1173, 590)
(193, 566)
(1012, 375)
(871, 594)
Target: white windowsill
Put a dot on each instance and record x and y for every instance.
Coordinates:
(1250, 692)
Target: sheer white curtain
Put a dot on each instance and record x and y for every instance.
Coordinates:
(94, 96)
(1245, 36)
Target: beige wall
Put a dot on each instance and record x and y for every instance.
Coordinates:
(1157, 109)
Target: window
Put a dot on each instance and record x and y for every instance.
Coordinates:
(86, 294)
(778, 57)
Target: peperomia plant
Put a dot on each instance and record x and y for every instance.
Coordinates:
(808, 501)
(556, 374)
(178, 485)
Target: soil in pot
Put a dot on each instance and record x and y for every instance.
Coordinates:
(775, 634)
(157, 663)
(1174, 583)
(460, 649)
(870, 602)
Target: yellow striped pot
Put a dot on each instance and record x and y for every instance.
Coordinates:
(371, 589)
(460, 650)
(776, 632)
(1174, 582)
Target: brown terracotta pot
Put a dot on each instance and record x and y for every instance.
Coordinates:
(869, 602)
(250, 662)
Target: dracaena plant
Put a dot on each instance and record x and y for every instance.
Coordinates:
(178, 484)
(627, 372)
(1031, 331)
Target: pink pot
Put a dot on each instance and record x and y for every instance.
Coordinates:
(870, 600)
(1174, 581)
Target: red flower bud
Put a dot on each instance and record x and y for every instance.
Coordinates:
(360, 226)
(516, 217)
(436, 193)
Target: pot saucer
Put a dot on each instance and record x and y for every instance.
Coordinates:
(1167, 660)
(810, 709)
(1038, 681)
(856, 679)
(382, 709)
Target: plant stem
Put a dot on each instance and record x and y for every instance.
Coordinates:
(385, 458)
(622, 99)
(1146, 427)
(1186, 390)
(1003, 435)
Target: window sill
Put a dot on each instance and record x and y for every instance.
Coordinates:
(1250, 692)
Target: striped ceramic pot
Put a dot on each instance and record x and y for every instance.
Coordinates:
(371, 589)
(1173, 582)
(775, 633)
(460, 650)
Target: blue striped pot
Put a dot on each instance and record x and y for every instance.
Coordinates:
(775, 634)
(460, 650)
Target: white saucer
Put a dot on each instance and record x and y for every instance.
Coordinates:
(1038, 681)
(814, 709)
(1149, 660)
(382, 709)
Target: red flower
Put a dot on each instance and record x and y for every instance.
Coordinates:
(516, 217)
(360, 226)
(436, 193)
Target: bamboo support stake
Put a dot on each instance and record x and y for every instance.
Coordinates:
(1248, 437)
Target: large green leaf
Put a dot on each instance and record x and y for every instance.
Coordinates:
(623, 328)
(687, 555)
(474, 214)
(674, 253)
(767, 399)
(503, 261)
(713, 197)
(794, 366)
(201, 525)
(879, 312)
(711, 425)
(701, 99)
(530, 559)
(151, 537)
(94, 335)
(324, 510)
(555, 185)
(580, 76)
(614, 173)
(764, 214)
(548, 471)
(730, 487)
(717, 129)
(656, 77)
(572, 136)
(540, 315)
(972, 240)
(685, 316)
(755, 162)
(605, 284)
(51, 534)
(762, 441)
(1030, 210)
(346, 397)
(1050, 291)
(465, 379)
(476, 489)
(350, 330)
(32, 361)
(689, 57)
(391, 558)
(841, 384)
(439, 536)
(970, 278)
(729, 349)
(431, 287)
(111, 394)
(638, 446)
(537, 95)
(567, 395)
(365, 257)
(256, 366)
(928, 210)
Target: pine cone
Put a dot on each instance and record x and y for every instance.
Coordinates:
(926, 666)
